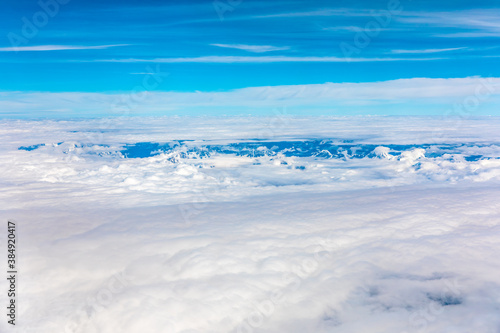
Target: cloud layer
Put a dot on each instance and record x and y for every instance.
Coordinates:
(460, 97)
(234, 243)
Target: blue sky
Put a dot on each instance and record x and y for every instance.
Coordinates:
(75, 49)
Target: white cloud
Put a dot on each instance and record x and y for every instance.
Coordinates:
(321, 12)
(261, 59)
(423, 51)
(150, 73)
(346, 28)
(178, 244)
(57, 47)
(253, 48)
(354, 29)
(468, 34)
(439, 93)
(480, 23)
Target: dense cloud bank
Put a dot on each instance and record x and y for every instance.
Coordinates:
(403, 238)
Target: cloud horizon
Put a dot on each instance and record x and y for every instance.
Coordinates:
(468, 93)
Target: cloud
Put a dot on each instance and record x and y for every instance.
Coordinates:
(253, 48)
(468, 34)
(356, 29)
(262, 59)
(423, 92)
(58, 47)
(350, 28)
(321, 12)
(424, 51)
(151, 73)
(480, 23)
(177, 243)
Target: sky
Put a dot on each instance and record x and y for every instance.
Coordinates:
(72, 58)
(359, 224)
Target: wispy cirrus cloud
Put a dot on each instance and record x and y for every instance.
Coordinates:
(355, 29)
(253, 48)
(351, 28)
(150, 73)
(262, 59)
(479, 23)
(469, 35)
(425, 51)
(58, 47)
(321, 12)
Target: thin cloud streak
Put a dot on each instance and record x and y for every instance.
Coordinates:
(426, 51)
(323, 12)
(469, 35)
(253, 48)
(481, 20)
(264, 59)
(58, 47)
